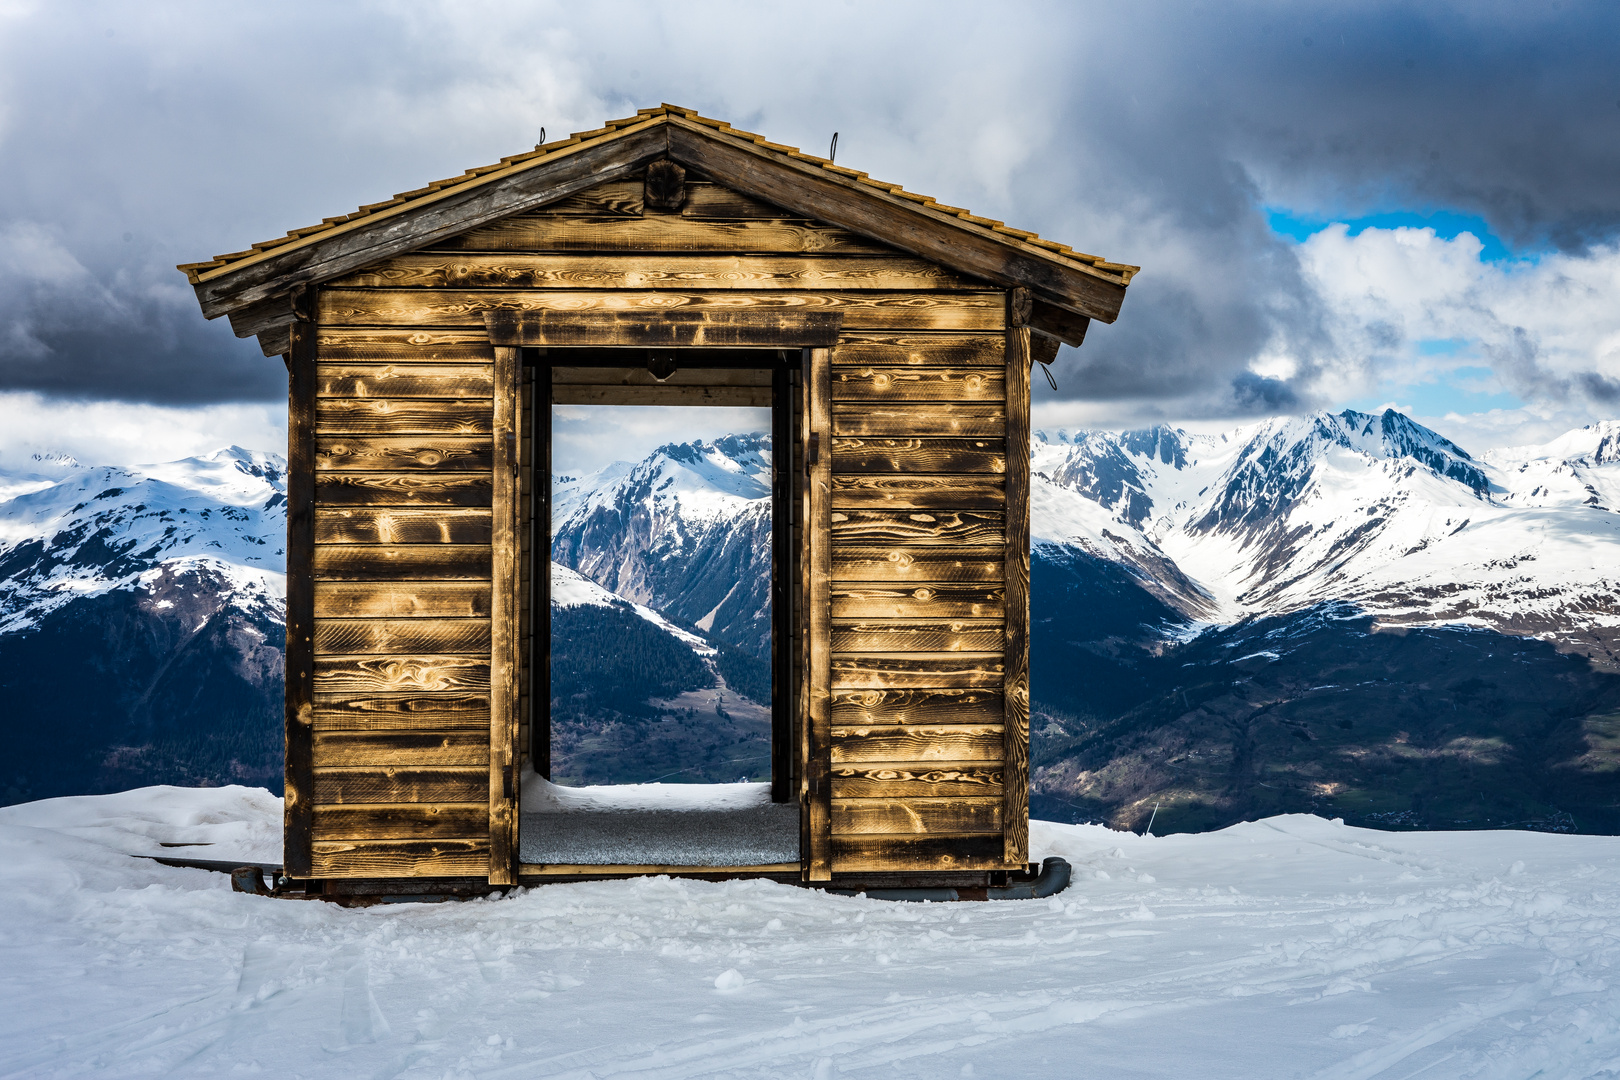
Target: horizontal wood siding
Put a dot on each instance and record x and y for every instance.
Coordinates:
(403, 453)
(911, 747)
(919, 529)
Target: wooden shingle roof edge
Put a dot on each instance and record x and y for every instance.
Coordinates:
(253, 286)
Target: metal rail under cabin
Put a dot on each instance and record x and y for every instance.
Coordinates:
(664, 258)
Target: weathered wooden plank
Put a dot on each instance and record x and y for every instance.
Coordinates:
(461, 270)
(860, 672)
(818, 573)
(617, 198)
(542, 233)
(382, 453)
(388, 600)
(878, 310)
(1016, 813)
(407, 712)
(960, 419)
(867, 708)
(855, 600)
(403, 489)
(402, 821)
(397, 747)
(402, 784)
(1066, 326)
(442, 381)
(980, 851)
(408, 345)
(888, 636)
(400, 674)
(912, 456)
(731, 397)
(400, 525)
(880, 817)
(869, 349)
(384, 637)
(401, 858)
(959, 528)
(299, 657)
(917, 744)
(711, 200)
(858, 491)
(904, 781)
(401, 416)
(505, 668)
(928, 233)
(640, 376)
(683, 327)
(890, 384)
(401, 562)
(917, 565)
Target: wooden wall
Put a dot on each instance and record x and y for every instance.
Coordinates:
(912, 743)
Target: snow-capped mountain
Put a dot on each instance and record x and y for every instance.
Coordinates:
(146, 603)
(687, 531)
(1374, 510)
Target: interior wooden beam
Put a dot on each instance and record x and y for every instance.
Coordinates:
(664, 329)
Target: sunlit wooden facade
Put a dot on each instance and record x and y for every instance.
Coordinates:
(662, 258)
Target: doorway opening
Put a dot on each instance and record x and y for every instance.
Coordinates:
(661, 641)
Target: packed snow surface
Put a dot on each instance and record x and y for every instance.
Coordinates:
(1290, 947)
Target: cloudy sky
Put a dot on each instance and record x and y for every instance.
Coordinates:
(1363, 205)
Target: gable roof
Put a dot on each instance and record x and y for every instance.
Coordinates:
(254, 286)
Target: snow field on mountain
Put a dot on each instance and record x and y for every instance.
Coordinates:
(568, 589)
(1290, 947)
(69, 530)
(1374, 510)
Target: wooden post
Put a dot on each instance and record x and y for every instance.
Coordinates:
(1015, 685)
(504, 668)
(818, 615)
(782, 607)
(297, 855)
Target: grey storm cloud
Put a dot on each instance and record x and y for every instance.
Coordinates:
(134, 137)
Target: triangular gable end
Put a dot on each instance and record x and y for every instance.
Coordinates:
(261, 288)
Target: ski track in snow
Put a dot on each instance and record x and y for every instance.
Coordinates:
(1291, 947)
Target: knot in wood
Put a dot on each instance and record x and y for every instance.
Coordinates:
(666, 185)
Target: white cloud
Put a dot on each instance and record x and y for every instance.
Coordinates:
(1549, 328)
(586, 437)
(121, 433)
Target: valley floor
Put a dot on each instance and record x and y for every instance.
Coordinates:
(1289, 947)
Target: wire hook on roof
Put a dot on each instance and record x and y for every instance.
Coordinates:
(832, 151)
(542, 141)
(1046, 369)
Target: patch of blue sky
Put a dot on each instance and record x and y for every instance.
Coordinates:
(1447, 225)
(1462, 390)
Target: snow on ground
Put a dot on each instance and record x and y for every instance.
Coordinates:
(1291, 947)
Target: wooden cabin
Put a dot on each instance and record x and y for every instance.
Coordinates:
(662, 258)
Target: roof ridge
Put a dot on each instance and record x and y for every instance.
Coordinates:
(195, 271)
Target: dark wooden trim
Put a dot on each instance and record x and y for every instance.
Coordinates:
(1042, 349)
(1015, 682)
(299, 805)
(744, 166)
(664, 329)
(1055, 322)
(540, 575)
(782, 564)
(818, 616)
(505, 671)
(428, 220)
